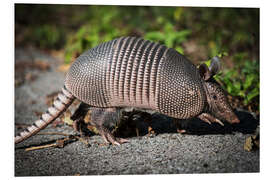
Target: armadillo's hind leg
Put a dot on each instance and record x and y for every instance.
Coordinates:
(106, 116)
(78, 119)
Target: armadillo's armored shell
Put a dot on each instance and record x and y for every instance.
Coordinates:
(181, 93)
(130, 71)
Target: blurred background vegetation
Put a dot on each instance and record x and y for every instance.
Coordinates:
(197, 32)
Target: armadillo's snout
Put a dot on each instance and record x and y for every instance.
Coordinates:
(230, 117)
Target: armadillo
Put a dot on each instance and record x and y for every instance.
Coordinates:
(130, 72)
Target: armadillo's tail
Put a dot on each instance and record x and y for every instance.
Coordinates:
(60, 104)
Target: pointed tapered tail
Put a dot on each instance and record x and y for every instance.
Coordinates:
(62, 102)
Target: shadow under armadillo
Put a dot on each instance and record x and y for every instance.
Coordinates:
(164, 124)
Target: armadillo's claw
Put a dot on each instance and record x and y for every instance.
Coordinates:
(209, 118)
(119, 141)
(105, 139)
(219, 122)
(206, 120)
(109, 138)
(205, 117)
(122, 140)
(116, 143)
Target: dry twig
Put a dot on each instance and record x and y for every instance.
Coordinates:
(60, 143)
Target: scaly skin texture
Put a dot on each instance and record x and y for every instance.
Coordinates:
(132, 72)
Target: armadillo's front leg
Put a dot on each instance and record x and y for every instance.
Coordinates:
(208, 118)
(101, 115)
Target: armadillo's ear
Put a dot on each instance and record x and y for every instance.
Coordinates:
(215, 66)
(204, 72)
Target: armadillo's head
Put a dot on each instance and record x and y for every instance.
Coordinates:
(217, 102)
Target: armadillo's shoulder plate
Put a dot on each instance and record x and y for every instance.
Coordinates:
(180, 88)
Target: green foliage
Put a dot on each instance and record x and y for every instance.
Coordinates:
(169, 37)
(102, 25)
(76, 28)
(242, 81)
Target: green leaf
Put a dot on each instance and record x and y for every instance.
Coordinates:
(241, 94)
(248, 81)
(208, 62)
(154, 35)
(168, 28)
(255, 92)
(183, 34)
(169, 41)
(237, 85)
(229, 89)
(179, 49)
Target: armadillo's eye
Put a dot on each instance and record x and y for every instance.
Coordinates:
(214, 97)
